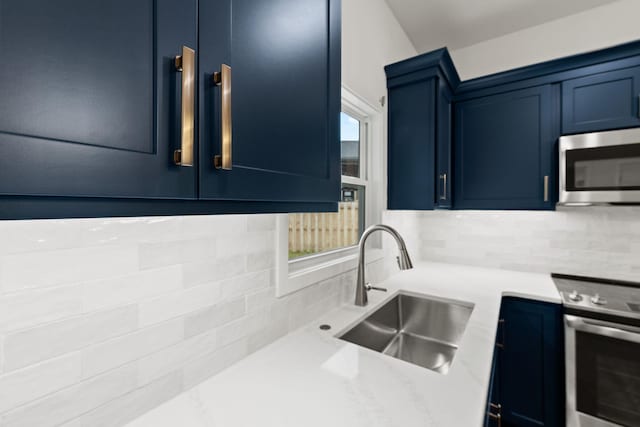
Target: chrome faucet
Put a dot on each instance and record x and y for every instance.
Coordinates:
(404, 262)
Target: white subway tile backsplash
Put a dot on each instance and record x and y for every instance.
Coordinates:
(175, 357)
(50, 268)
(260, 261)
(262, 223)
(74, 401)
(161, 254)
(197, 273)
(1, 353)
(241, 285)
(102, 319)
(179, 303)
(259, 241)
(261, 298)
(127, 348)
(28, 308)
(131, 405)
(214, 362)
(25, 385)
(243, 327)
(131, 288)
(214, 316)
(600, 241)
(29, 346)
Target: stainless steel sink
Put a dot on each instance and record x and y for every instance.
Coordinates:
(418, 330)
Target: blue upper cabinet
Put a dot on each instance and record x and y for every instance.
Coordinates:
(161, 107)
(602, 101)
(504, 150)
(491, 142)
(90, 102)
(419, 131)
(412, 140)
(284, 62)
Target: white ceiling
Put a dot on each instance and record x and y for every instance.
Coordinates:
(431, 24)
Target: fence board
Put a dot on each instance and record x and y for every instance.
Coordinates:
(318, 232)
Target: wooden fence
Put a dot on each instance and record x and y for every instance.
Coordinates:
(317, 232)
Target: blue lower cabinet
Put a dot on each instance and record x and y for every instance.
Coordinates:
(602, 101)
(530, 364)
(493, 417)
(505, 150)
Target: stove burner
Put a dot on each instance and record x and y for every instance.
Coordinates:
(575, 296)
(598, 300)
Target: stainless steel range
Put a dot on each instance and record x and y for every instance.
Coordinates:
(602, 350)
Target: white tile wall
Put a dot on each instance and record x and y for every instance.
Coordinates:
(103, 319)
(597, 241)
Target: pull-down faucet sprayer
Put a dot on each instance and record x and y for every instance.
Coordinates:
(404, 261)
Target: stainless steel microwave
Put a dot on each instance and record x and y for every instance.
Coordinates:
(600, 168)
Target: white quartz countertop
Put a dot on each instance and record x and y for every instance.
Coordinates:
(309, 378)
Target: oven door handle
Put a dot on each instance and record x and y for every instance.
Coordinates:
(611, 330)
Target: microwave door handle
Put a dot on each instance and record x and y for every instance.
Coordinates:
(611, 330)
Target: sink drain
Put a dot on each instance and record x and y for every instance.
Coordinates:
(325, 327)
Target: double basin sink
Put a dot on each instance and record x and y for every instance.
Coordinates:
(418, 330)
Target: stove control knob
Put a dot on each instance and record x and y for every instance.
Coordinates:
(598, 300)
(575, 296)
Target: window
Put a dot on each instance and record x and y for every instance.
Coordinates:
(311, 247)
(313, 233)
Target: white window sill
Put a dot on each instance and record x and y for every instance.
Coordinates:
(292, 276)
(301, 278)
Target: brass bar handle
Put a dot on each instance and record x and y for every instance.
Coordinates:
(497, 417)
(443, 177)
(186, 63)
(546, 188)
(222, 78)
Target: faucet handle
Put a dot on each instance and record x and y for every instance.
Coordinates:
(370, 287)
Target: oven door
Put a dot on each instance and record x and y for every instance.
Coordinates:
(602, 167)
(602, 373)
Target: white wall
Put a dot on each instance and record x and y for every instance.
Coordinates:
(371, 39)
(593, 29)
(103, 319)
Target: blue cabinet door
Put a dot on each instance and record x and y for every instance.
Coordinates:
(601, 102)
(532, 374)
(412, 145)
(493, 417)
(505, 149)
(285, 99)
(90, 98)
(444, 177)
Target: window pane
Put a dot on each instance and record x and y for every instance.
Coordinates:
(312, 233)
(350, 136)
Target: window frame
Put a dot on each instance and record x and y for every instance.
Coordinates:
(295, 274)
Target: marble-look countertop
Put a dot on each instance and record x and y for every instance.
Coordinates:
(309, 378)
